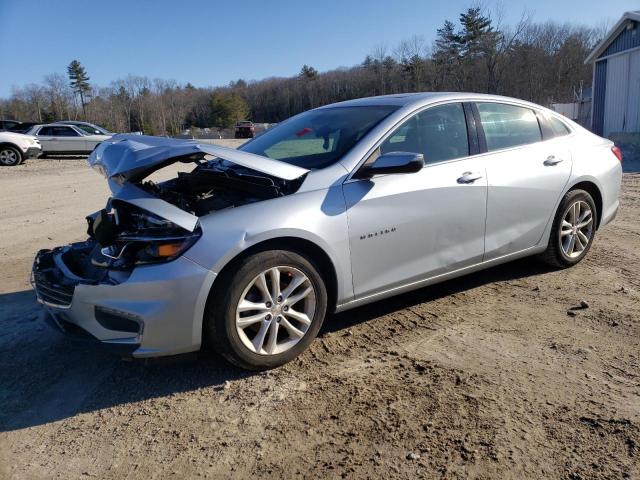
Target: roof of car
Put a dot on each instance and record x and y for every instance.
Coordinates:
(52, 125)
(420, 98)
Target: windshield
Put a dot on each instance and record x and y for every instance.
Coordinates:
(318, 138)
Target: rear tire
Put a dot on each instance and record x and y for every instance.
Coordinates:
(10, 156)
(285, 321)
(573, 230)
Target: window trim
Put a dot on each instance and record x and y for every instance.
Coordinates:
(479, 130)
(536, 110)
(70, 127)
(559, 118)
(353, 175)
(484, 136)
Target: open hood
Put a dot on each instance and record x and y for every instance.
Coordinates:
(131, 158)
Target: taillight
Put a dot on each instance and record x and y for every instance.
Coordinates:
(616, 151)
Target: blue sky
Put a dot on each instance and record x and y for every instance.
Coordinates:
(209, 43)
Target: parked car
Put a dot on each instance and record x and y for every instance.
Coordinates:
(245, 129)
(23, 127)
(7, 124)
(15, 148)
(334, 208)
(87, 127)
(58, 139)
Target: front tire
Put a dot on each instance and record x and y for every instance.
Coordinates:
(573, 230)
(267, 311)
(10, 156)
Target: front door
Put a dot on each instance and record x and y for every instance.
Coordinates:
(407, 227)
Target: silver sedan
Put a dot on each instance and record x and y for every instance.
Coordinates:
(334, 208)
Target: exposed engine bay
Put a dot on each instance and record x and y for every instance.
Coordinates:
(123, 235)
(216, 184)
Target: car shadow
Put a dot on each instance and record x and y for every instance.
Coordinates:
(45, 377)
(518, 269)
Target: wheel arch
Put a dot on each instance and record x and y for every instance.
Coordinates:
(300, 245)
(594, 190)
(9, 144)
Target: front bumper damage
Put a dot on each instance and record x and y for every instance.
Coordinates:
(32, 152)
(153, 310)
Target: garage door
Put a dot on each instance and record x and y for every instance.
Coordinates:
(633, 105)
(622, 97)
(615, 99)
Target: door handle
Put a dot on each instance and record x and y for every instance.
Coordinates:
(469, 177)
(552, 160)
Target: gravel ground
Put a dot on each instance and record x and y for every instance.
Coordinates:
(486, 376)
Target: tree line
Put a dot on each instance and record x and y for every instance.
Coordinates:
(540, 62)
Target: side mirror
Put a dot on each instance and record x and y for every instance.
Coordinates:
(393, 162)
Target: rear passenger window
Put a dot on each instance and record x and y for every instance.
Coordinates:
(508, 125)
(64, 132)
(559, 128)
(439, 133)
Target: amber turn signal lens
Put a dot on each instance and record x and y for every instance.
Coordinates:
(169, 249)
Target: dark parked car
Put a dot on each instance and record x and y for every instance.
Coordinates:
(7, 124)
(245, 129)
(22, 127)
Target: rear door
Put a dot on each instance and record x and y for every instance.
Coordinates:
(407, 227)
(69, 139)
(526, 174)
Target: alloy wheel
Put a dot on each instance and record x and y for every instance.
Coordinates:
(8, 157)
(275, 310)
(577, 229)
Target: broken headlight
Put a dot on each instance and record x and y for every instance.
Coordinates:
(129, 235)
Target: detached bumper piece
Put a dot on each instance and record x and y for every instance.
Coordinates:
(52, 287)
(57, 276)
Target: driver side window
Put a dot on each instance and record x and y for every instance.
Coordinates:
(439, 133)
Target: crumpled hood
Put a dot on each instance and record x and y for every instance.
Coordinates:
(130, 158)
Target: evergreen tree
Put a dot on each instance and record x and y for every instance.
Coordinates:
(477, 37)
(79, 81)
(307, 72)
(446, 56)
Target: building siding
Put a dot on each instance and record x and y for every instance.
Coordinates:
(628, 38)
(600, 81)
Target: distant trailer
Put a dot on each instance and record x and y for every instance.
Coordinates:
(616, 79)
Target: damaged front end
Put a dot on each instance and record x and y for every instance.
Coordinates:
(125, 236)
(130, 276)
(147, 222)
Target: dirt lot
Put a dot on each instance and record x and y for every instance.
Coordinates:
(484, 377)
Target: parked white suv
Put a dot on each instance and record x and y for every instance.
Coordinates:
(57, 139)
(15, 148)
